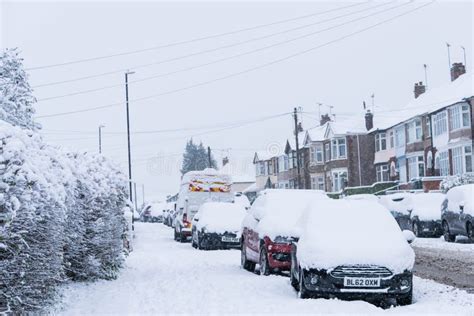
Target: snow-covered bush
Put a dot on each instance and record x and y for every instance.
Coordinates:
(455, 181)
(16, 95)
(61, 216)
(32, 212)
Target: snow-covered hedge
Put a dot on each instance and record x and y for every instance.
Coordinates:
(61, 216)
(454, 181)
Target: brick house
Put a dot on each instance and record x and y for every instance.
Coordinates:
(340, 154)
(429, 137)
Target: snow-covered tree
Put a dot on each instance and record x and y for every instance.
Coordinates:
(196, 157)
(454, 181)
(16, 95)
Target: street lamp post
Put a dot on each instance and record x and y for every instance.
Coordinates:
(100, 138)
(128, 135)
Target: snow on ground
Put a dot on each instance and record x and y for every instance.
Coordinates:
(165, 277)
(461, 244)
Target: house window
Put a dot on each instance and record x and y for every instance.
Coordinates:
(416, 167)
(466, 117)
(455, 117)
(261, 165)
(328, 152)
(428, 126)
(439, 122)
(339, 180)
(462, 159)
(380, 141)
(399, 137)
(468, 158)
(382, 173)
(317, 183)
(442, 163)
(338, 148)
(316, 153)
(392, 139)
(414, 131)
(429, 160)
(457, 160)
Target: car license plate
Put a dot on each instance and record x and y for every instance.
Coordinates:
(230, 239)
(361, 282)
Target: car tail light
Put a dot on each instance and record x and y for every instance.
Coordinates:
(186, 223)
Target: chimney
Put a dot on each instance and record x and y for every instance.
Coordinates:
(369, 120)
(420, 88)
(324, 119)
(457, 70)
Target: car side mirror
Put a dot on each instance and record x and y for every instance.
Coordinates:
(409, 236)
(196, 219)
(461, 207)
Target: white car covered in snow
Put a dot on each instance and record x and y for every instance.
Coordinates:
(217, 226)
(352, 249)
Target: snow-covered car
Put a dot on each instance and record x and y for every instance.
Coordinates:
(242, 200)
(269, 228)
(370, 197)
(426, 214)
(457, 213)
(217, 226)
(152, 213)
(368, 258)
(399, 204)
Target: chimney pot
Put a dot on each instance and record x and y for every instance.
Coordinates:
(457, 70)
(324, 119)
(419, 89)
(369, 120)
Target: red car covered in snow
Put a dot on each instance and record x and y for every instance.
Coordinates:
(269, 228)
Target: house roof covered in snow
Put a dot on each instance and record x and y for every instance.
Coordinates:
(429, 102)
(347, 126)
(316, 134)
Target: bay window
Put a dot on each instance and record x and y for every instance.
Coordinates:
(439, 123)
(339, 180)
(338, 148)
(382, 173)
(414, 131)
(442, 163)
(462, 159)
(316, 154)
(328, 152)
(416, 167)
(317, 183)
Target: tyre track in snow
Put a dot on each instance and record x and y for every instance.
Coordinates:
(450, 267)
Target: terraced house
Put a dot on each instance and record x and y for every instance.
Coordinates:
(430, 137)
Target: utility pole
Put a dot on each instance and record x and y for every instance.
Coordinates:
(100, 138)
(128, 135)
(465, 59)
(295, 116)
(143, 193)
(209, 156)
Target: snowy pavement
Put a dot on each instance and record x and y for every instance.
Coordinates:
(165, 277)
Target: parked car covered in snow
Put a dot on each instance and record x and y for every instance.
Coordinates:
(198, 187)
(426, 214)
(242, 199)
(368, 258)
(152, 213)
(217, 226)
(400, 205)
(269, 228)
(457, 213)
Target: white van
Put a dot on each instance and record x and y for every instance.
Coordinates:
(198, 187)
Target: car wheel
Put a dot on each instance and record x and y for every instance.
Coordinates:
(175, 235)
(199, 243)
(304, 293)
(193, 243)
(246, 264)
(407, 299)
(264, 266)
(416, 229)
(469, 231)
(447, 235)
(182, 238)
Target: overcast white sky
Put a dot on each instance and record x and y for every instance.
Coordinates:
(385, 60)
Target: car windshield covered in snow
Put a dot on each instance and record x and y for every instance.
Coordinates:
(461, 197)
(219, 217)
(398, 203)
(341, 232)
(277, 211)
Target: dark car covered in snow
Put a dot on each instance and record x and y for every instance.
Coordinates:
(400, 205)
(457, 213)
(368, 259)
(217, 226)
(425, 214)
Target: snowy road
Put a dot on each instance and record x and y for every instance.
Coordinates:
(165, 277)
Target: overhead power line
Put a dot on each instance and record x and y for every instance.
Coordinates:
(204, 51)
(78, 61)
(248, 70)
(236, 55)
